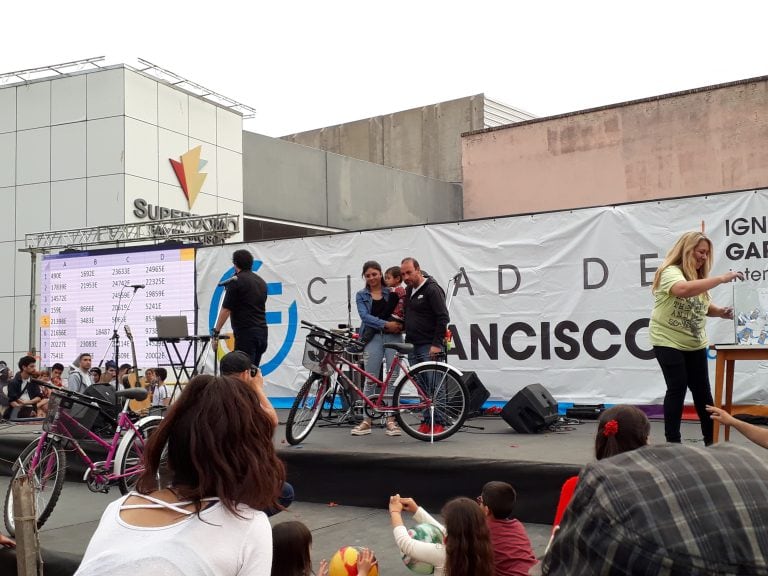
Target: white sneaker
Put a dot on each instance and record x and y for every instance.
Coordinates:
(361, 429)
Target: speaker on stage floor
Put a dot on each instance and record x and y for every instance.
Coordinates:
(478, 393)
(530, 410)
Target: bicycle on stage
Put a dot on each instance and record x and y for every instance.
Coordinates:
(429, 399)
(69, 420)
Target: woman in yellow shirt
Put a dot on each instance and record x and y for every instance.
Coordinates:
(678, 328)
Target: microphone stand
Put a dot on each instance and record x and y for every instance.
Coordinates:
(349, 302)
(119, 321)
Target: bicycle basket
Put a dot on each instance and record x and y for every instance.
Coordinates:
(313, 358)
(59, 404)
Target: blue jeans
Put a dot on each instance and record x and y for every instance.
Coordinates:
(252, 341)
(373, 354)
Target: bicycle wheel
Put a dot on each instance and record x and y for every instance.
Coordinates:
(128, 458)
(429, 386)
(307, 406)
(47, 480)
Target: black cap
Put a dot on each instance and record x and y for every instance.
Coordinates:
(235, 363)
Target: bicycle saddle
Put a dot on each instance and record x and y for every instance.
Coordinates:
(400, 347)
(132, 394)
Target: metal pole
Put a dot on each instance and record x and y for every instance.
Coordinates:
(32, 305)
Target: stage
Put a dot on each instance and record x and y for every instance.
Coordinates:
(333, 466)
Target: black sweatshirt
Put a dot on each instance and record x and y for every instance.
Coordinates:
(426, 316)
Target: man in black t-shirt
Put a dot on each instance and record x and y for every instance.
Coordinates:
(245, 307)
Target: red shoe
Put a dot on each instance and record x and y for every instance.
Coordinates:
(436, 429)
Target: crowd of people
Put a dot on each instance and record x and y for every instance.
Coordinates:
(639, 508)
(22, 396)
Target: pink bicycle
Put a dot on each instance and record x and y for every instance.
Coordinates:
(69, 420)
(429, 399)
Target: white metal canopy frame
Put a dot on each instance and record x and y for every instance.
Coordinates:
(209, 230)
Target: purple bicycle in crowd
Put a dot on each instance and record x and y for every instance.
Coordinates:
(74, 418)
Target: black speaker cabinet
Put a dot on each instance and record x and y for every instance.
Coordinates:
(478, 393)
(530, 410)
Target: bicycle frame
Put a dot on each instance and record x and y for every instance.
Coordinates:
(334, 359)
(61, 421)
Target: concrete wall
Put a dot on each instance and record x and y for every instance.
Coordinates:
(290, 182)
(707, 140)
(424, 140)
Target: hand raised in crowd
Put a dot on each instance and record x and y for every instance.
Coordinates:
(409, 505)
(395, 505)
(323, 570)
(721, 416)
(365, 561)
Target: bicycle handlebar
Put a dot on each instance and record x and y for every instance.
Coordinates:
(334, 336)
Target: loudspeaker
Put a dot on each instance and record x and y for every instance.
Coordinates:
(478, 393)
(585, 411)
(530, 410)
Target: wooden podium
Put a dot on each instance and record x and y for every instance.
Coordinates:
(727, 354)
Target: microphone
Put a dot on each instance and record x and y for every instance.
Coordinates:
(227, 281)
(136, 286)
(457, 275)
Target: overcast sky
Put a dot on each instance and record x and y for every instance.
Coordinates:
(308, 64)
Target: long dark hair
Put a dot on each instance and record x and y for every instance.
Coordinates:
(219, 444)
(620, 429)
(468, 542)
(291, 542)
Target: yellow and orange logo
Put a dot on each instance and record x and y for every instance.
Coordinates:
(189, 175)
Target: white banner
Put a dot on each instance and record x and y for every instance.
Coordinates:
(559, 298)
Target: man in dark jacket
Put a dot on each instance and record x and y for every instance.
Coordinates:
(426, 316)
(22, 392)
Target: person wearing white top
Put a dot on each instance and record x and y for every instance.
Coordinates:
(466, 548)
(192, 514)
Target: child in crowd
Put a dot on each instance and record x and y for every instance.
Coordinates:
(95, 374)
(467, 545)
(620, 429)
(291, 547)
(161, 395)
(512, 551)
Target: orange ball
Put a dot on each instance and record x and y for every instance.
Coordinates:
(344, 563)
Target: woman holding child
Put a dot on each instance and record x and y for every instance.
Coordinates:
(376, 304)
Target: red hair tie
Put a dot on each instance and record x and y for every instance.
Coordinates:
(611, 428)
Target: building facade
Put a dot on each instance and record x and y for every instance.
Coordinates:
(424, 140)
(701, 141)
(95, 148)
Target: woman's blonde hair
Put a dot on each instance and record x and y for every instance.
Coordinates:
(681, 254)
